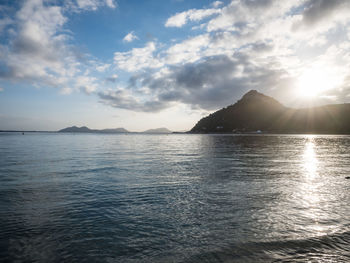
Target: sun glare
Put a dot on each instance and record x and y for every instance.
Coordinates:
(314, 81)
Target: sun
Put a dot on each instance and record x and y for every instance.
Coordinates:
(315, 80)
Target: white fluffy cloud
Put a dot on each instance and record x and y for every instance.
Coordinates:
(189, 50)
(102, 67)
(38, 44)
(95, 4)
(180, 19)
(38, 52)
(217, 3)
(111, 4)
(130, 37)
(86, 83)
(138, 58)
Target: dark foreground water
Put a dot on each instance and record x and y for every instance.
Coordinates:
(174, 198)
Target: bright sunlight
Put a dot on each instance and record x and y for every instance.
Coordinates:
(316, 80)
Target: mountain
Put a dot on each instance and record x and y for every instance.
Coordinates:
(117, 130)
(158, 130)
(76, 129)
(256, 111)
(87, 130)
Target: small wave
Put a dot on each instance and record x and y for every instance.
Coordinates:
(333, 248)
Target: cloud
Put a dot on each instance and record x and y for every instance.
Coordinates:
(245, 44)
(217, 4)
(87, 4)
(66, 91)
(207, 85)
(317, 10)
(318, 17)
(189, 50)
(138, 58)
(95, 4)
(180, 19)
(216, 81)
(112, 78)
(1, 89)
(111, 4)
(248, 15)
(86, 83)
(257, 3)
(102, 67)
(38, 45)
(38, 51)
(123, 99)
(248, 44)
(130, 37)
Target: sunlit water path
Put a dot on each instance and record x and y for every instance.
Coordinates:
(174, 198)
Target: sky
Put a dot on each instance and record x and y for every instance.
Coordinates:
(165, 63)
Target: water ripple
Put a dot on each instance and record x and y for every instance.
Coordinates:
(174, 198)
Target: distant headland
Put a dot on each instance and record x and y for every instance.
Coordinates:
(84, 129)
(258, 113)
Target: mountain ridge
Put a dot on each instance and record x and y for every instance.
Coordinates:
(258, 112)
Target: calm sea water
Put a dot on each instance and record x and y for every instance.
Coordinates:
(174, 198)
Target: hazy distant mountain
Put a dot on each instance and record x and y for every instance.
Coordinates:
(76, 129)
(158, 130)
(87, 130)
(257, 112)
(117, 130)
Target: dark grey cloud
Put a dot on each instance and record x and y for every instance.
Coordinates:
(112, 79)
(36, 49)
(317, 10)
(217, 81)
(258, 3)
(120, 99)
(213, 83)
(260, 47)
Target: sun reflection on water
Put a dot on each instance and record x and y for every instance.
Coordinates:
(310, 189)
(310, 161)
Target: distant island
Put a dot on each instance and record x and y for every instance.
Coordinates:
(158, 131)
(258, 113)
(84, 129)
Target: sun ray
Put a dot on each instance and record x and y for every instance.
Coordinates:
(316, 80)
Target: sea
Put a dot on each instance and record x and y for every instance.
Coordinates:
(174, 198)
